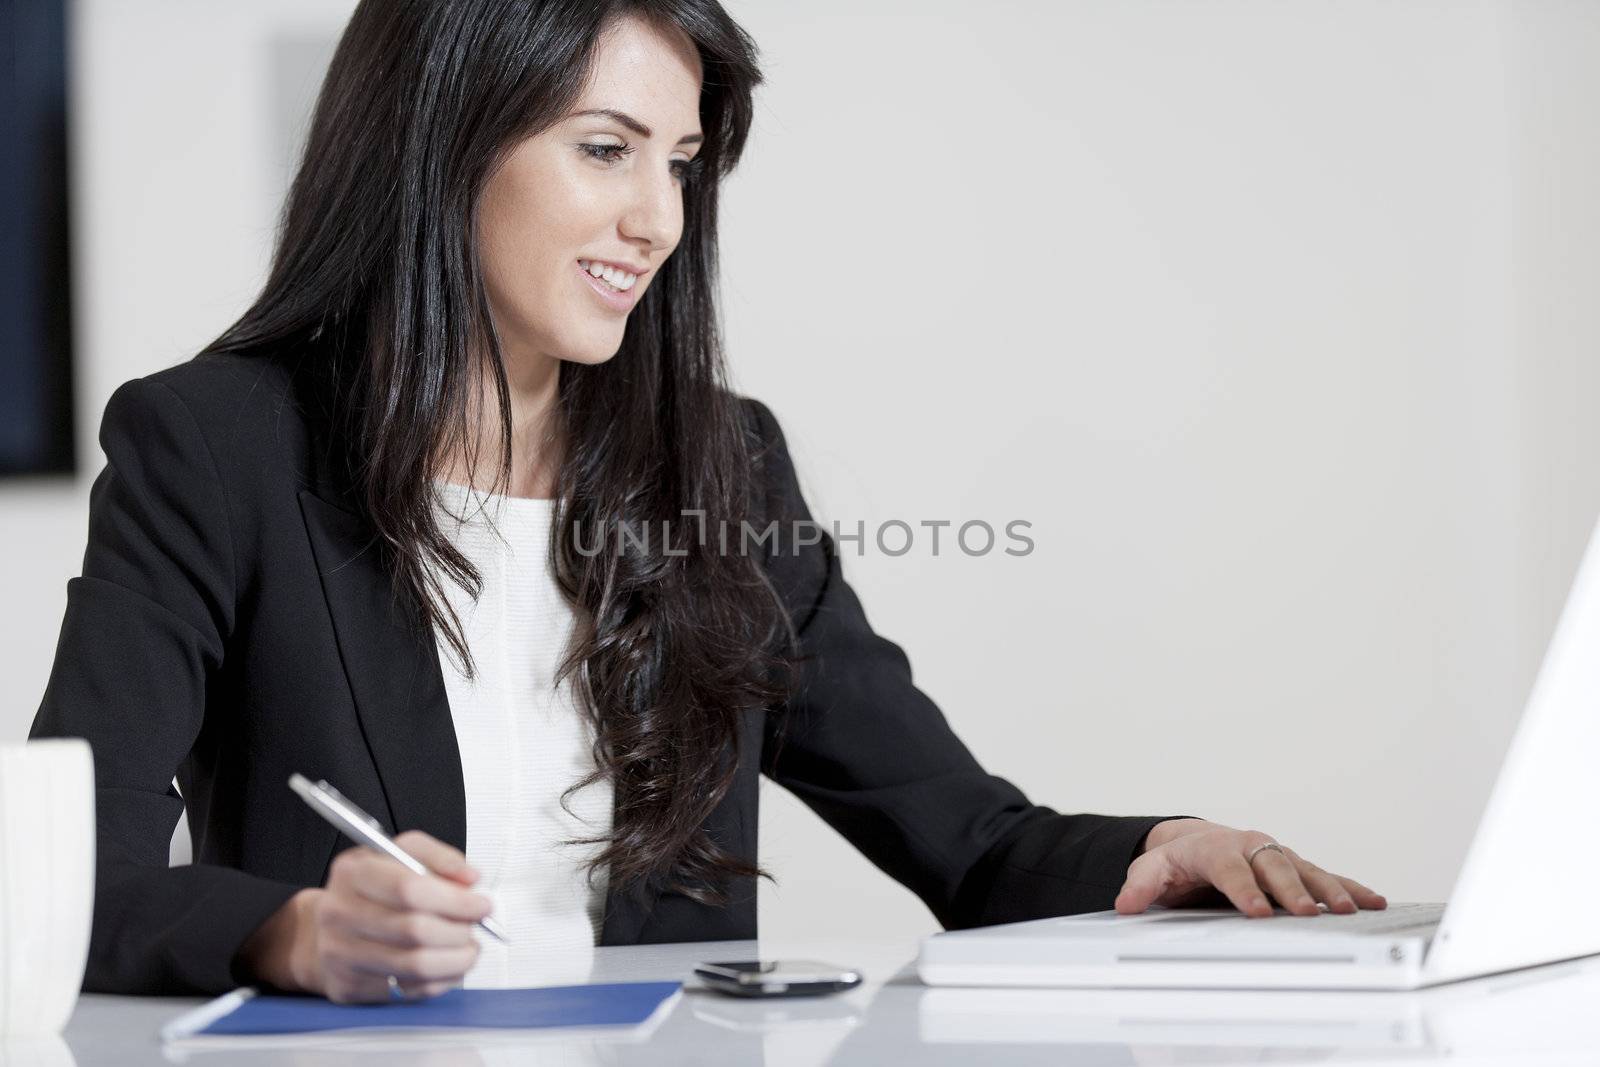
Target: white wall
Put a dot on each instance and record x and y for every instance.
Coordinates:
(1270, 319)
(1295, 409)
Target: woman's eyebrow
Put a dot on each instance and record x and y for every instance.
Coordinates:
(632, 123)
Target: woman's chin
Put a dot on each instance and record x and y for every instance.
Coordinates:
(593, 353)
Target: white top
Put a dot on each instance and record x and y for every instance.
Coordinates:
(522, 743)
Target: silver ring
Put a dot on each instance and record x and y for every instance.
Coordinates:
(395, 992)
(1273, 845)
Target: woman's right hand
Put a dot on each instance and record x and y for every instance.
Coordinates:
(375, 918)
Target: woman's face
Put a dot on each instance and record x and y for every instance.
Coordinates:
(594, 188)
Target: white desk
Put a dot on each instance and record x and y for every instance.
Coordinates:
(1547, 1015)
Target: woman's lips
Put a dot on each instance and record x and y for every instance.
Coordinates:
(615, 300)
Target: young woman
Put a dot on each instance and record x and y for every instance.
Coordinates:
(366, 535)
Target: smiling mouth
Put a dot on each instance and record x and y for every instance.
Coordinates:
(616, 280)
(615, 299)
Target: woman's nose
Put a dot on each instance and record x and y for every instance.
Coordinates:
(655, 211)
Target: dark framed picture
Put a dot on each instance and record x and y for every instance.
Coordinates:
(36, 416)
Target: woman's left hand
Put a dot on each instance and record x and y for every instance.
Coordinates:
(1187, 861)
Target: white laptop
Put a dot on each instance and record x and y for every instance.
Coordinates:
(1523, 897)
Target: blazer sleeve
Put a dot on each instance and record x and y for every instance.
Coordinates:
(870, 753)
(144, 634)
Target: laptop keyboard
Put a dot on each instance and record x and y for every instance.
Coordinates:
(1188, 924)
(1382, 921)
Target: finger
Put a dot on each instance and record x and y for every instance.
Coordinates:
(359, 957)
(1325, 887)
(368, 919)
(380, 879)
(412, 965)
(1148, 877)
(345, 985)
(409, 990)
(360, 987)
(1277, 873)
(1230, 873)
(428, 990)
(447, 861)
(1363, 896)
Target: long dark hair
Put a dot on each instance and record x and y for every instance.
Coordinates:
(376, 281)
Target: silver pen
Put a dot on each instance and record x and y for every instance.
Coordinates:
(362, 828)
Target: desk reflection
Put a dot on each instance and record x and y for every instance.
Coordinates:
(1537, 1016)
(1519, 1017)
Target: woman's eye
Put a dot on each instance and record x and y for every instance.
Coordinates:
(682, 169)
(605, 151)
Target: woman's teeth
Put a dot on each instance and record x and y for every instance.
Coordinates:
(619, 280)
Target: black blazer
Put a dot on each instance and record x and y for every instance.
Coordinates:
(232, 626)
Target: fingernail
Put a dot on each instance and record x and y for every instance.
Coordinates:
(1258, 902)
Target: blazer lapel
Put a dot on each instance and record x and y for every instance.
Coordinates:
(392, 665)
(393, 670)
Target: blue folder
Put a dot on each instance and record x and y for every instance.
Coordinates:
(620, 1004)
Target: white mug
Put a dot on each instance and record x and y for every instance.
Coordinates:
(46, 881)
